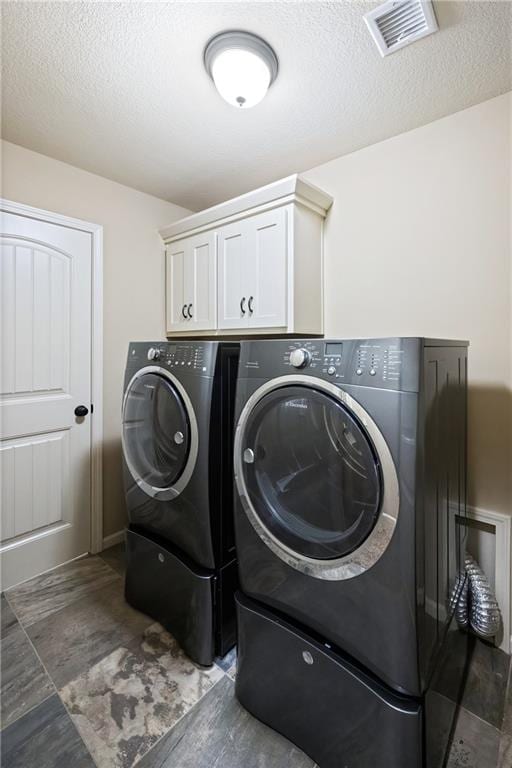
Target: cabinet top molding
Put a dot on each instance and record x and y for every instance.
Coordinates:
(292, 189)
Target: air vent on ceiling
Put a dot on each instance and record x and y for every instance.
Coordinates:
(400, 22)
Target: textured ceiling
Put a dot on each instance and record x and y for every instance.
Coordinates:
(119, 88)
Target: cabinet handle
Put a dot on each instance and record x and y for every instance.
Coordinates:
(183, 311)
(189, 311)
(242, 305)
(250, 304)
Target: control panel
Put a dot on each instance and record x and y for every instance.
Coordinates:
(376, 360)
(190, 357)
(390, 363)
(320, 356)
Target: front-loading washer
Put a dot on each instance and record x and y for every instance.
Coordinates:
(350, 469)
(177, 440)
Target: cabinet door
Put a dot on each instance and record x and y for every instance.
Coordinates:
(233, 255)
(176, 299)
(268, 269)
(201, 296)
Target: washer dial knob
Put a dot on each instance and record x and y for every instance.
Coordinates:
(153, 353)
(299, 358)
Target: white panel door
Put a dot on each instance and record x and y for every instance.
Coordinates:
(45, 466)
(233, 287)
(268, 267)
(201, 257)
(176, 289)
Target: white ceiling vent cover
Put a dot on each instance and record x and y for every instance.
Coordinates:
(398, 23)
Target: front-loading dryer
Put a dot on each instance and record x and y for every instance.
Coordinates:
(177, 440)
(349, 464)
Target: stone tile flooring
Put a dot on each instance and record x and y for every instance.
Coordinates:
(88, 681)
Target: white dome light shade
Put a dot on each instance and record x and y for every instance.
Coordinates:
(242, 66)
(241, 77)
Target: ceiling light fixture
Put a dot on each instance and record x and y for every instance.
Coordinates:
(242, 66)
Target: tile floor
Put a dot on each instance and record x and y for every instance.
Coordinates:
(87, 681)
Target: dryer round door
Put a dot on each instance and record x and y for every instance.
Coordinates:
(315, 477)
(159, 433)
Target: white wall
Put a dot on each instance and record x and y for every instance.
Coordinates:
(418, 242)
(133, 274)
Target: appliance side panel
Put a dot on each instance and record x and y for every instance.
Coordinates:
(442, 477)
(221, 453)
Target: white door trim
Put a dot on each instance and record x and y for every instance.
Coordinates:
(96, 232)
(502, 524)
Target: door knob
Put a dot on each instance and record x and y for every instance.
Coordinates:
(249, 304)
(242, 306)
(189, 310)
(81, 410)
(184, 311)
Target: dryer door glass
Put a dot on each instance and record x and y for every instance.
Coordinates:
(156, 431)
(311, 472)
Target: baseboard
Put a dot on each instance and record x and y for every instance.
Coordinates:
(113, 539)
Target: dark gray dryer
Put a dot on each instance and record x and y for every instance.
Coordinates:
(349, 464)
(177, 437)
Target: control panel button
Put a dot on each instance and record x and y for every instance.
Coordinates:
(359, 371)
(331, 370)
(299, 358)
(153, 353)
(372, 371)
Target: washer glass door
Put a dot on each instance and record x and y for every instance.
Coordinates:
(311, 473)
(156, 432)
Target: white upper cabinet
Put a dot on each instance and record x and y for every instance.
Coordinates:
(176, 305)
(191, 278)
(232, 278)
(251, 265)
(267, 269)
(203, 281)
(252, 272)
